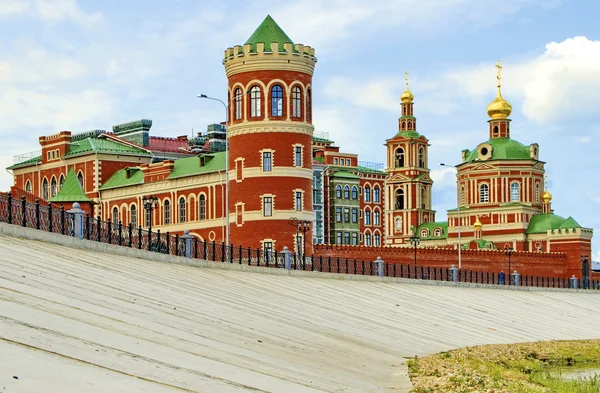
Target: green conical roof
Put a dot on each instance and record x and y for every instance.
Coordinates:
(71, 190)
(268, 32)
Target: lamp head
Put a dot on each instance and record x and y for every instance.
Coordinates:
(201, 95)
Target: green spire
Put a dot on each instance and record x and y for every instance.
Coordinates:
(268, 32)
(71, 190)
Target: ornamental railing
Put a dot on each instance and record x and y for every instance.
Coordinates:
(76, 223)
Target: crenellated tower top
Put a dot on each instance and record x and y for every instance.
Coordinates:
(269, 48)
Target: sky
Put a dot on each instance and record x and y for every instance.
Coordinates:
(83, 65)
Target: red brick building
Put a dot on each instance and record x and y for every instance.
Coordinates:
(279, 170)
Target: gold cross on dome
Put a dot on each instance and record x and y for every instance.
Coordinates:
(406, 78)
(499, 76)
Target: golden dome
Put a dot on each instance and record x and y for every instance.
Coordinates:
(499, 108)
(407, 96)
(547, 197)
(477, 226)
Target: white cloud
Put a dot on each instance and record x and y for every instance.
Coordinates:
(13, 7)
(332, 21)
(50, 10)
(563, 82)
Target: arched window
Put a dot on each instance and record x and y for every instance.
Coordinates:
(421, 157)
(423, 198)
(45, 189)
(537, 192)
(80, 179)
(338, 191)
(255, 101)
(182, 209)
(238, 103)
(495, 130)
(484, 193)
(367, 194)
(367, 239)
(354, 192)
(376, 218)
(28, 186)
(437, 232)
(346, 192)
(424, 233)
(399, 157)
(296, 102)
(514, 192)
(398, 224)
(409, 125)
(61, 181)
(202, 202)
(167, 212)
(308, 105)
(133, 216)
(462, 195)
(399, 199)
(115, 215)
(377, 240)
(376, 195)
(276, 101)
(53, 189)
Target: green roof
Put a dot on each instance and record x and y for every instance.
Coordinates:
(345, 175)
(409, 134)
(503, 149)
(124, 177)
(71, 190)
(103, 145)
(541, 223)
(319, 159)
(191, 166)
(322, 140)
(431, 226)
(481, 244)
(31, 161)
(267, 33)
(364, 169)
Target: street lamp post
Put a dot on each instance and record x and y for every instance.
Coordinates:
(149, 202)
(301, 226)
(509, 252)
(585, 271)
(458, 212)
(226, 106)
(415, 240)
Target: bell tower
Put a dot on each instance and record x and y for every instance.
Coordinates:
(408, 184)
(270, 137)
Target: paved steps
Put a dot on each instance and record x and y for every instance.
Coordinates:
(73, 320)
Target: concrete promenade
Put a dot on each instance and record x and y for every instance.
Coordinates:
(78, 320)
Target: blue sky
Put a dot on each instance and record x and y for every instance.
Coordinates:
(81, 65)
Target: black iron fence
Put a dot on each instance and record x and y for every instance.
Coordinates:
(57, 220)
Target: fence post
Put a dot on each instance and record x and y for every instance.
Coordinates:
(187, 241)
(515, 278)
(454, 273)
(24, 211)
(287, 257)
(10, 210)
(501, 278)
(98, 229)
(77, 220)
(62, 219)
(37, 214)
(379, 266)
(574, 282)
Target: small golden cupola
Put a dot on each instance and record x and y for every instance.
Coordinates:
(477, 226)
(407, 97)
(499, 108)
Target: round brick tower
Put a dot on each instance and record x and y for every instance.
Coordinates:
(270, 137)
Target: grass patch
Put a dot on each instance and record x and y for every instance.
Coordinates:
(516, 368)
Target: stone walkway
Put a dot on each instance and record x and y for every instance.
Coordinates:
(82, 321)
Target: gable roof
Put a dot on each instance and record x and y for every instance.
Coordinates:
(103, 145)
(71, 190)
(124, 177)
